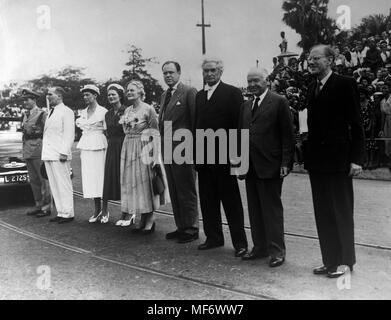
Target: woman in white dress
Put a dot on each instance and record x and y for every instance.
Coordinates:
(93, 145)
(140, 123)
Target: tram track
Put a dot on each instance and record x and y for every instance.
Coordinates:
(291, 234)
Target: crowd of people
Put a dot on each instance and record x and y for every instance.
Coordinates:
(368, 61)
(121, 158)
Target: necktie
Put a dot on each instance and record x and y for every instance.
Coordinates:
(166, 100)
(317, 88)
(50, 112)
(255, 106)
(27, 114)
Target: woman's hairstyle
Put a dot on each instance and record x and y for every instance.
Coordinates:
(120, 92)
(139, 86)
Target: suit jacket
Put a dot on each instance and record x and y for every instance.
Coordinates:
(59, 133)
(33, 126)
(335, 131)
(271, 135)
(180, 110)
(221, 111)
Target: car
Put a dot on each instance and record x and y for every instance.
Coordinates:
(13, 170)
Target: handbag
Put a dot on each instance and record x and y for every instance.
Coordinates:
(157, 180)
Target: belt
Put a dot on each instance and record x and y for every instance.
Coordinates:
(32, 136)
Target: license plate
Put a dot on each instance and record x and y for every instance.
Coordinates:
(16, 178)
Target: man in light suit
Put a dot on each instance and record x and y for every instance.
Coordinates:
(33, 125)
(177, 111)
(58, 137)
(268, 118)
(217, 109)
(333, 153)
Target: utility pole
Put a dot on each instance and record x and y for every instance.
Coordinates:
(203, 26)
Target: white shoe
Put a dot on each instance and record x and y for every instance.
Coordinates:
(105, 219)
(94, 219)
(119, 223)
(127, 223)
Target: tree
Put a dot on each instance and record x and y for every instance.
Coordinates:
(70, 78)
(309, 19)
(372, 25)
(137, 70)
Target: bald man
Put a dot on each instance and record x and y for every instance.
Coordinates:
(271, 146)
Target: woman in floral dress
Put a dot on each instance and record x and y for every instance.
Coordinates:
(140, 123)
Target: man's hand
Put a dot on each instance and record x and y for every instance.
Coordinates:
(284, 171)
(63, 157)
(355, 169)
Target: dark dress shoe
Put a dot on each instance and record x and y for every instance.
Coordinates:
(276, 262)
(148, 231)
(254, 254)
(55, 219)
(240, 252)
(187, 237)
(65, 220)
(173, 235)
(33, 212)
(209, 245)
(43, 214)
(321, 270)
(340, 271)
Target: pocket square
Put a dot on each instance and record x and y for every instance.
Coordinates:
(178, 103)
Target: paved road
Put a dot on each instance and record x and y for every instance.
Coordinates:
(104, 261)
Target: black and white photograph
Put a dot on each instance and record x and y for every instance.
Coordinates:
(193, 155)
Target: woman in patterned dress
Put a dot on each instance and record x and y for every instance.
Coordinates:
(140, 153)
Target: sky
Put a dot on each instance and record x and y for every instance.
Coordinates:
(94, 34)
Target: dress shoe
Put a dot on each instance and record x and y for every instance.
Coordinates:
(321, 270)
(240, 252)
(55, 219)
(43, 214)
(254, 254)
(340, 271)
(149, 231)
(187, 237)
(94, 218)
(173, 235)
(33, 212)
(65, 220)
(105, 218)
(276, 262)
(209, 245)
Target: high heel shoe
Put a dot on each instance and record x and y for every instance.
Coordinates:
(94, 219)
(105, 218)
(149, 231)
(127, 223)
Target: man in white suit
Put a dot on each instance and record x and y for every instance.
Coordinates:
(58, 137)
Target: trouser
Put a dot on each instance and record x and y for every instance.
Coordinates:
(332, 195)
(61, 186)
(39, 186)
(216, 186)
(266, 215)
(181, 184)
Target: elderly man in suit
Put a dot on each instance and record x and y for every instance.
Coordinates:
(217, 109)
(33, 125)
(333, 154)
(177, 111)
(58, 137)
(267, 117)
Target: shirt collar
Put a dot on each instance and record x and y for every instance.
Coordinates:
(324, 80)
(262, 96)
(175, 87)
(208, 87)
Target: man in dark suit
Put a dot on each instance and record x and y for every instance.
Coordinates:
(334, 153)
(177, 112)
(217, 108)
(267, 117)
